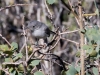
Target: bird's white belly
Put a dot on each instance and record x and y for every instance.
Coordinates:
(39, 33)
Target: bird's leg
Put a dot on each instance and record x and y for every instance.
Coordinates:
(46, 40)
(36, 43)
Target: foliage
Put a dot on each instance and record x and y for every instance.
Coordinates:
(12, 58)
(51, 1)
(38, 73)
(18, 55)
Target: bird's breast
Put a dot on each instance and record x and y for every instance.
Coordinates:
(38, 33)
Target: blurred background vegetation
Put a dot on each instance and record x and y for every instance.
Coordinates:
(67, 48)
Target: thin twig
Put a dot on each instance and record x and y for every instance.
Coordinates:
(58, 16)
(71, 41)
(5, 40)
(55, 44)
(32, 54)
(48, 9)
(70, 8)
(11, 63)
(70, 32)
(24, 33)
(61, 61)
(76, 16)
(22, 48)
(50, 14)
(7, 7)
(6, 71)
(92, 14)
(57, 63)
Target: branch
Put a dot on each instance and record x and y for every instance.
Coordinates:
(24, 33)
(7, 7)
(5, 40)
(32, 54)
(81, 36)
(71, 41)
(61, 61)
(70, 8)
(6, 71)
(50, 14)
(11, 63)
(70, 32)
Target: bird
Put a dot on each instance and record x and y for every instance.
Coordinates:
(39, 30)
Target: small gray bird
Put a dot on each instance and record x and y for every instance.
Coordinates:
(39, 30)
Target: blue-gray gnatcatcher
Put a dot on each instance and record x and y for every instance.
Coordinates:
(39, 30)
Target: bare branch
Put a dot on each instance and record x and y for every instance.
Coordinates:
(71, 41)
(5, 40)
(32, 54)
(81, 36)
(24, 33)
(7, 7)
(70, 32)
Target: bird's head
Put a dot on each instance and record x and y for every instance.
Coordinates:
(30, 25)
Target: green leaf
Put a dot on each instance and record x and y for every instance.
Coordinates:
(35, 62)
(8, 60)
(63, 72)
(87, 73)
(97, 12)
(78, 54)
(20, 73)
(13, 73)
(91, 34)
(20, 68)
(38, 73)
(98, 44)
(17, 56)
(51, 1)
(95, 71)
(77, 68)
(98, 56)
(83, 31)
(11, 69)
(4, 48)
(14, 46)
(71, 71)
(88, 48)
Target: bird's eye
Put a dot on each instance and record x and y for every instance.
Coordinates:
(33, 26)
